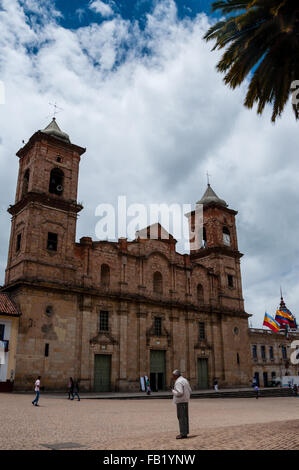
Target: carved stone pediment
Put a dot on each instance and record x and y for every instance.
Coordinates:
(150, 332)
(203, 344)
(103, 337)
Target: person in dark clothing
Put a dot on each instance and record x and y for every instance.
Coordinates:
(76, 390)
(70, 387)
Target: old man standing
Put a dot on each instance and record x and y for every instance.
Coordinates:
(181, 396)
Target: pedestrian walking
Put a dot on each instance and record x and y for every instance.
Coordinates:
(147, 386)
(36, 389)
(181, 396)
(216, 385)
(70, 387)
(256, 388)
(76, 390)
(295, 389)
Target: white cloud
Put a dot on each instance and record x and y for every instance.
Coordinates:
(102, 8)
(153, 124)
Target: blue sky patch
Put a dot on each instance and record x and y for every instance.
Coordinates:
(76, 13)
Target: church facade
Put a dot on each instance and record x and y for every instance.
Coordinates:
(108, 313)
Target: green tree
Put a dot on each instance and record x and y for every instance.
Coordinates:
(261, 40)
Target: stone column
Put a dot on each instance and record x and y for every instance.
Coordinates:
(123, 344)
(142, 359)
(83, 346)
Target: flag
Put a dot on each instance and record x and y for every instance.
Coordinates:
(284, 317)
(271, 323)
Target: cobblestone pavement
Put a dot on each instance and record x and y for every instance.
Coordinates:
(245, 423)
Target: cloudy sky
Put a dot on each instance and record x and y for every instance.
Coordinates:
(138, 88)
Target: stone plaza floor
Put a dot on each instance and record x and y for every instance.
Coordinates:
(240, 423)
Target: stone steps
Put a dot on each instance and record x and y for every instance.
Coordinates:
(246, 393)
(280, 392)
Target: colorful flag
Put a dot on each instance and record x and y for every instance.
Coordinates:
(271, 322)
(284, 317)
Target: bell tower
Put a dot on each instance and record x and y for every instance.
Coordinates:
(218, 249)
(44, 215)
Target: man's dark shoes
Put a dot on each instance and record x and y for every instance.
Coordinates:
(180, 436)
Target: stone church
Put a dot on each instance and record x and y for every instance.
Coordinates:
(108, 313)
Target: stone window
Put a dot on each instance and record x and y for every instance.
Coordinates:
(56, 182)
(26, 182)
(158, 282)
(158, 326)
(18, 244)
(46, 350)
(284, 352)
(104, 320)
(105, 275)
(200, 295)
(230, 280)
(263, 352)
(271, 353)
(254, 351)
(226, 236)
(52, 241)
(2, 329)
(201, 331)
(238, 358)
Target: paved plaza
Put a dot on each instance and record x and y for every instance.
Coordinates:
(242, 423)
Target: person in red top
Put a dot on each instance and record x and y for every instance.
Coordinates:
(36, 389)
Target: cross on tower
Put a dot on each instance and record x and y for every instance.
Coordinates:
(208, 178)
(55, 108)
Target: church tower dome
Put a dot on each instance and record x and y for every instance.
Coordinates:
(211, 197)
(54, 130)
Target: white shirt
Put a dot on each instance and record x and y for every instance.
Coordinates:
(182, 390)
(37, 385)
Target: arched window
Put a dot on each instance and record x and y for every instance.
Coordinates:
(204, 238)
(158, 282)
(226, 236)
(105, 275)
(26, 182)
(200, 296)
(238, 358)
(56, 182)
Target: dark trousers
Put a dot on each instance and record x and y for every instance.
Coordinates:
(183, 417)
(35, 401)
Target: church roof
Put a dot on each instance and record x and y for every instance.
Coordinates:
(155, 231)
(54, 130)
(210, 196)
(7, 305)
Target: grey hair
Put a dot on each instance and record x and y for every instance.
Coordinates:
(177, 372)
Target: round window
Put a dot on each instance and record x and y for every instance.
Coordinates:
(49, 311)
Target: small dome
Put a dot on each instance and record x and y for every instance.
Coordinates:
(54, 130)
(210, 196)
